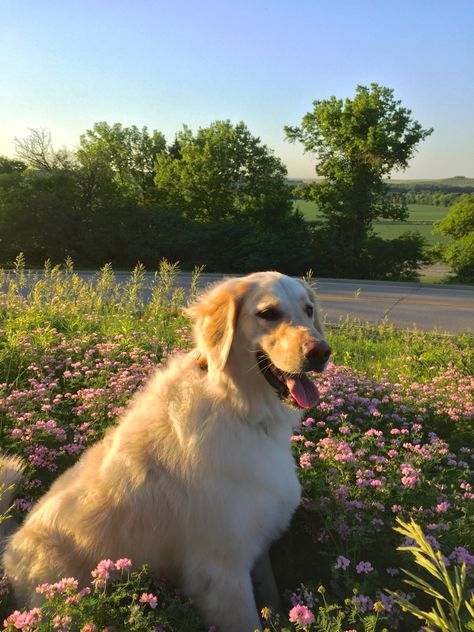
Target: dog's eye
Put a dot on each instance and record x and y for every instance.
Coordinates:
(309, 310)
(269, 313)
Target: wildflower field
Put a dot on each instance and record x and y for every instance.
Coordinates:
(385, 461)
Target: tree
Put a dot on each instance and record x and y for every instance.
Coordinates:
(357, 143)
(40, 216)
(124, 155)
(222, 172)
(10, 165)
(37, 151)
(459, 225)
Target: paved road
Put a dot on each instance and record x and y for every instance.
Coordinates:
(424, 306)
(408, 305)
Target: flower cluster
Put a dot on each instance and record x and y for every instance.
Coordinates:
(374, 449)
(370, 453)
(128, 603)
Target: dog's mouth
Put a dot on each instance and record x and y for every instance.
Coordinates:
(297, 385)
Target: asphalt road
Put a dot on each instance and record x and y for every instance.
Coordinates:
(426, 307)
(423, 306)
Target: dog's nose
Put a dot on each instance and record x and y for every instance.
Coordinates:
(317, 353)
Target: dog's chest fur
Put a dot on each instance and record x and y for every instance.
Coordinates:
(257, 488)
(238, 473)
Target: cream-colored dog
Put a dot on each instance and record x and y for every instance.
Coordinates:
(197, 479)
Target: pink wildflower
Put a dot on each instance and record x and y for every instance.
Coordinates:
(305, 461)
(24, 620)
(61, 623)
(149, 598)
(102, 573)
(123, 563)
(302, 615)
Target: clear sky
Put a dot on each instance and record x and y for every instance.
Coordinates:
(66, 64)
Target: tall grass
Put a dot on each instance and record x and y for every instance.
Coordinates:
(37, 305)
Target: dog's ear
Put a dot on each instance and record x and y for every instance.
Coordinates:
(215, 314)
(313, 297)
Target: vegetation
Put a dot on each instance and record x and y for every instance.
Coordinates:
(421, 219)
(357, 142)
(442, 193)
(459, 225)
(218, 197)
(391, 438)
(223, 172)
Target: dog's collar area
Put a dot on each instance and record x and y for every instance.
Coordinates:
(296, 385)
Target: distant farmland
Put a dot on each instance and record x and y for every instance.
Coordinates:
(421, 218)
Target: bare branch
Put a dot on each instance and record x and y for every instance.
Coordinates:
(38, 152)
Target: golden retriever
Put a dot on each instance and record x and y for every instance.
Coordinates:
(197, 478)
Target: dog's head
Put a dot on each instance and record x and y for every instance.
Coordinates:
(266, 323)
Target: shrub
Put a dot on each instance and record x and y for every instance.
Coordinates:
(459, 225)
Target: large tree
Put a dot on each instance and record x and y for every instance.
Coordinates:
(357, 143)
(222, 172)
(123, 155)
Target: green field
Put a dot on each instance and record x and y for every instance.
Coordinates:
(391, 230)
(459, 181)
(446, 183)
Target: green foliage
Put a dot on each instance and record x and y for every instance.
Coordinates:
(222, 172)
(357, 143)
(124, 155)
(432, 198)
(218, 198)
(39, 214)
(460, 220)
(453, 610)
(394, 258)
(10, 165)
(378, 258)
(459, 225)
(329, 616)
(121, 604)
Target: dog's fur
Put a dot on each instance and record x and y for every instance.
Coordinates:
(197, 479)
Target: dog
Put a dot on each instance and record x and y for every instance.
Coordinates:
(197, 479)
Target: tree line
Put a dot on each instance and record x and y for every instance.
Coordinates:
(433, 198)
(217, 197)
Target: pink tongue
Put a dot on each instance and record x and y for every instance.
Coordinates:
(303, 391)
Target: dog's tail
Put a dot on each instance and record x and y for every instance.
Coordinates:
(11, 471)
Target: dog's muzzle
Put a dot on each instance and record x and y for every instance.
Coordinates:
(297, 385)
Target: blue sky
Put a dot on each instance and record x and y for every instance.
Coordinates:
(66, 64)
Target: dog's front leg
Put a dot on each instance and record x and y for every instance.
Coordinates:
(225, 597)
(265, 587)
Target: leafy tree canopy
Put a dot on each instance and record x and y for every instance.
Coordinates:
(125, 154)
(222, 171)
(10, 165)
(459, 225)
(358, 142)
(459, 222)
